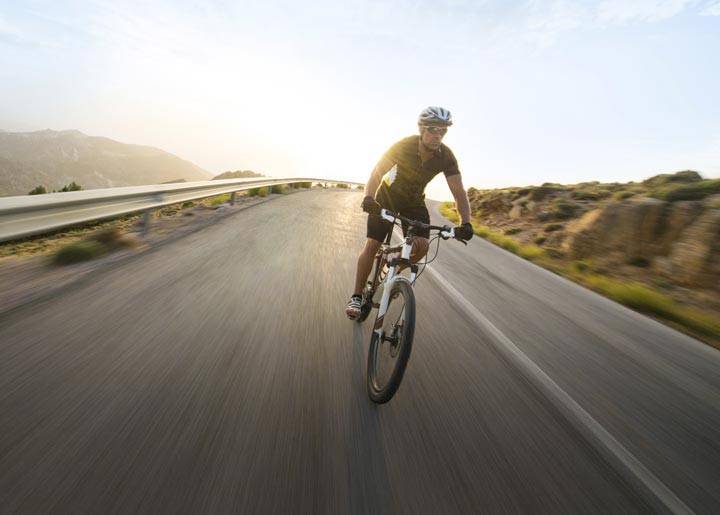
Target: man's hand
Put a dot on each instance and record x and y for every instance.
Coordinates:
(370, 205)
(464, 232)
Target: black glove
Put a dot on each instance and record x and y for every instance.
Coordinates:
(464, 232)
(370, 205)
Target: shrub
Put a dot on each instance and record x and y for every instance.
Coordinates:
(622, 195)
(639, 262)
(277, 188)
(686, 176)
(687, 191)
(594, 194)
(342, 185)
(219, 199)
(79, 251)
(539, 240)
(187, 204)
(580, 266)
(512, 230)
(562, 209)
(253, 192)
(38, 190)
(73, 186)
(553, 227)
(262, 192)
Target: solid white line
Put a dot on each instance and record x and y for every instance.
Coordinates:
(614, 451)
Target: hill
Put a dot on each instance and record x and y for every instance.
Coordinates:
(55, 158)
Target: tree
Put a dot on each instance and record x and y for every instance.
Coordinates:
(38, 190)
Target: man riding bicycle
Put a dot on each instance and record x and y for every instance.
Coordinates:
(398, 183)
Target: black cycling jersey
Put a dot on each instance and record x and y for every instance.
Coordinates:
(404, 184)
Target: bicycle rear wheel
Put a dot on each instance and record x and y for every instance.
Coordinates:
(389, 354)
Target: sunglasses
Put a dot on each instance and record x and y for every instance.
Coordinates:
(436, 130)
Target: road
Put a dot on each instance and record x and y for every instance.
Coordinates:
(218, 374)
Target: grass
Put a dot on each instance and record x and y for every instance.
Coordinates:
(642, 298)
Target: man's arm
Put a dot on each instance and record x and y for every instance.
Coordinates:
(376, 176)
(460, 195)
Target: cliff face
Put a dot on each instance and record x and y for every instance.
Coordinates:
(679, 240)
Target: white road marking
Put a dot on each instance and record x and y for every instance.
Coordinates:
(624, 461)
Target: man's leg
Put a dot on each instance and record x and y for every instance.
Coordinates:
(419, 248)
(365, 263)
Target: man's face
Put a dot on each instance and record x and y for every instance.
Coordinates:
(431, 136)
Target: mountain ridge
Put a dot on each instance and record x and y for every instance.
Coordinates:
(55, 158)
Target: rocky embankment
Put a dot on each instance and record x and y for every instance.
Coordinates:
(663, 232)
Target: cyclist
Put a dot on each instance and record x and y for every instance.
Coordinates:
(398, 183)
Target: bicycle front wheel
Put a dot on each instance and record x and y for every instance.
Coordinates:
(389, 353)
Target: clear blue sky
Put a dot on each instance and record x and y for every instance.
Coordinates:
(561, 91)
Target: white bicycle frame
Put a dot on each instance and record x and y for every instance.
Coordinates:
(392, 274)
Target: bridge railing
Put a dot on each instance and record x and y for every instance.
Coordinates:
(28, 215)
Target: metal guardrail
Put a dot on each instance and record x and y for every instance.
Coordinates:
(28, 215)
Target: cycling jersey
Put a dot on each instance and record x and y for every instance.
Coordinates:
(404, 184)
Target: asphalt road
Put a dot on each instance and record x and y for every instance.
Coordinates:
(218, 374)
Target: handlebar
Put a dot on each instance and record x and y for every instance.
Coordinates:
(445, 231)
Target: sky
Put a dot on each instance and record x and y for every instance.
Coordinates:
(540, 90)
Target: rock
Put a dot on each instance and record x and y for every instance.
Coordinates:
(696, 256)
(629, 228)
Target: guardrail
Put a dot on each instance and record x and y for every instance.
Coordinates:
(28, 215)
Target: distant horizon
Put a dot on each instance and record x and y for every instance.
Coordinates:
(430, 194)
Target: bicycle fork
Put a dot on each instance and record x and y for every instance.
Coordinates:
(388, 284)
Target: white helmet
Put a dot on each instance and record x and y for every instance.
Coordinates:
(434, 115)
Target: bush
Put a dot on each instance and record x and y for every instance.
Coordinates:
(688, 191)
(580, 266)
(79, 251)
(553, 227)
(73, 186)
(512, 230)
(662, 179)
(539, 240)
(38, 190)
(594, 194)
(640, 262)
(342, 185)
(262, 192)
(562, 209)
(277, 188)
(219, 199)
(187, 204)
(622, 195)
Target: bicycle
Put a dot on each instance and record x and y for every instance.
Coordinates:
(399, 332)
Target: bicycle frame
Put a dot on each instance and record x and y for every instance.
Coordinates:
(390, 278)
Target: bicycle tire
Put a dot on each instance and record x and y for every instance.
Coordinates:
(381, 392)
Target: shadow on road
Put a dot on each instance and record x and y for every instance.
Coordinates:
(368, 481)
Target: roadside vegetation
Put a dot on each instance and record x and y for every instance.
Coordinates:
(551, 224)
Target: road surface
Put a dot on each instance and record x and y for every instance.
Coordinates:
(218, 374)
